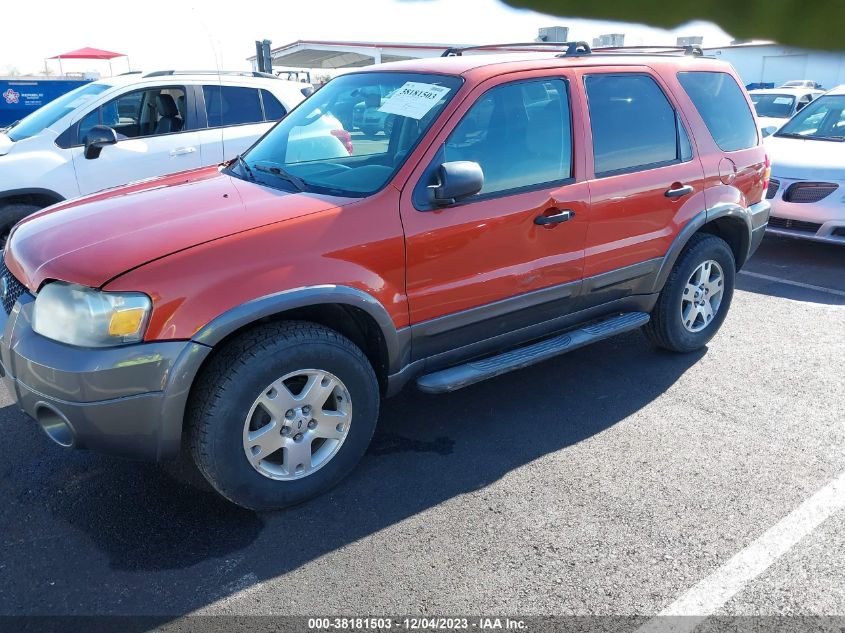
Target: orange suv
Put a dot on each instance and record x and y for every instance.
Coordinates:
(518, 206)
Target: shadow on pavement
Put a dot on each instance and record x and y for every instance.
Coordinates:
(85, 534)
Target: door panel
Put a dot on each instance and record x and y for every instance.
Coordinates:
(136, 159)
(647, 179)
(491, 249)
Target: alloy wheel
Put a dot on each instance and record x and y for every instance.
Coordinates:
(702, 296)
(297, 424)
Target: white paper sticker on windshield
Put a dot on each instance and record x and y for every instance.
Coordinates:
(783, 100)
(413, 100)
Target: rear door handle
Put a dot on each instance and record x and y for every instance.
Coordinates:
(562, 215)
(179, 151)
(677, 192)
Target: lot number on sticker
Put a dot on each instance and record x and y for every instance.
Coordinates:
(413, 99)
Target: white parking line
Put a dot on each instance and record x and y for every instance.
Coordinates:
(711, 593)
(832, 291)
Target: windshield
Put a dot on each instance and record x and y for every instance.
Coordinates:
(351, 136)
(48, 114)
(822, 120)
(778, 106)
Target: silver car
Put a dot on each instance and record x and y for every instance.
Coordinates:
(807, 188)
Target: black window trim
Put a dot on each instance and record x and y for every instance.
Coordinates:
(73, 130)
(562, 182)
(261, 92)
(678, 160)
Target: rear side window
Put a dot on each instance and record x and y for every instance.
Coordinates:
(232, 105)
(273, 110)
(720, 102)
(633, 124)
(519, 133)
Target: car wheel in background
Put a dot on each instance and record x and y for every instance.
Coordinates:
(10, 215)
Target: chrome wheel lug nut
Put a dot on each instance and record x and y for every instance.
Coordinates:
(312, 424)
(289, 414)
(297, 437)
(285, 431)
(306, 409)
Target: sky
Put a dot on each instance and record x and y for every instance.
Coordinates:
(215, 34)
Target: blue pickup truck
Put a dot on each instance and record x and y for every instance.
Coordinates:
(19, 96)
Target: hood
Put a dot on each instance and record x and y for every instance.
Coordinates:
(801, 159)
(92, 240)
(5, 144)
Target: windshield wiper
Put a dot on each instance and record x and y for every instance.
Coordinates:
(296, 181)
(790, 135)
(247, 171)
(810, 137)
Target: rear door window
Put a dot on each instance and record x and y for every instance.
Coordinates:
(232, 105)
(633, 124)
(722, 105)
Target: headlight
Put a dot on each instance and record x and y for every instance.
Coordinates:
(86, 317)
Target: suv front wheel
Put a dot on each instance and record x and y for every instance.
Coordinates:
(282, 413)
(695, 299)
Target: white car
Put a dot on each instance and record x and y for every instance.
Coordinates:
(807, 187)
(800, 83)
(775, 106)
(132, 127)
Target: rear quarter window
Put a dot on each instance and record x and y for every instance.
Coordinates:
(722, 105)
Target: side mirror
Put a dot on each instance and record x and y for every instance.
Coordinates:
(457, 180)
(97, 138)
(769, 130)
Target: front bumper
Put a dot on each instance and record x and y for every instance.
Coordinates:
(822, 221)
(127, 401)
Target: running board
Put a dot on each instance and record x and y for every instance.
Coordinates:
(460, 376)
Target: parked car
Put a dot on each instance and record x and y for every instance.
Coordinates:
(158, 123)
(808, 166)
(801, 83)
(775, 107)
(521, 207)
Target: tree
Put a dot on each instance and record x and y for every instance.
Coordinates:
(794, 22)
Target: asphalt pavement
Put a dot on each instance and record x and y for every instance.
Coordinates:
(612, 480)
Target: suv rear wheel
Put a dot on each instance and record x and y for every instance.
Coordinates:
(695, 299)
(271, 420)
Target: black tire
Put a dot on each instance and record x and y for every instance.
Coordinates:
(224, 393)
(11, 214)
(666, 328)
(370, 132)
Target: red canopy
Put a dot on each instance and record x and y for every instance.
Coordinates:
(88, 53)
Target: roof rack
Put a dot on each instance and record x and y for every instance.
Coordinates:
(690, 49)
(242, 73)
(572, 48)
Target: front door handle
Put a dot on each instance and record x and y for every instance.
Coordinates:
(179, 151)
(560, 215)
(678, 191)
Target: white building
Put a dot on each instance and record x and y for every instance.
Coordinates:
(767, 62)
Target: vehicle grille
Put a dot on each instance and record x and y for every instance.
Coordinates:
(807, 192)
(774, 185)
(10, 288)
(794, 225)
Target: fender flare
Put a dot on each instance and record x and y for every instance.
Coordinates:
(396, 341)
(30, 191)
(727, 210)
